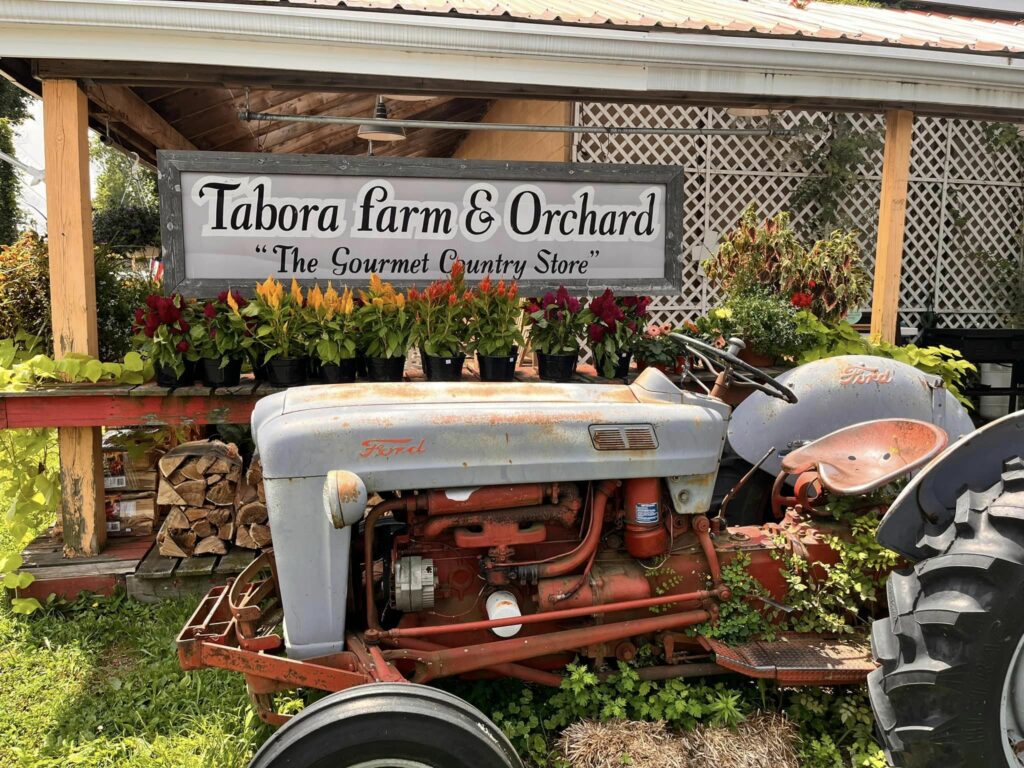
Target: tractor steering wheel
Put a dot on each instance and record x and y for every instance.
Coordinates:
(736, 369)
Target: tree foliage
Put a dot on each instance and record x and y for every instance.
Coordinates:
(13, 112)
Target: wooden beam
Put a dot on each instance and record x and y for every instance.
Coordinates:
(892, 218)
(122, 105)
(73, 301)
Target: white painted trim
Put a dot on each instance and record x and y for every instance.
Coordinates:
(486, 51)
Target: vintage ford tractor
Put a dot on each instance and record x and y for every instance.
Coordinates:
(423, 531)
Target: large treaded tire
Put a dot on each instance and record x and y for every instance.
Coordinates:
(955, 622)
(392, 724)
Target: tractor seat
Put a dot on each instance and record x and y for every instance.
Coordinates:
(863, 457)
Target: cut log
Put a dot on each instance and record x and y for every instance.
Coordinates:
(244, 539)
(204, 462)
(177, 520)
(219, 515)
(253, 512)
(191, 471)
(260, 534)
(220, 466)
(169, 495)
(168, 547)
(213, 479)
(261, 494)
(177, 477)
(255, 474)
(210, 545)
(221, 494)
(196, 513)
(186, 541)
(192, 492)
(202, 529)
(170, 462)
(226, 531)
(235, 473)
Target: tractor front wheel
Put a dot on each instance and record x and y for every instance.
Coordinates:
(950, 688)
(388, 725)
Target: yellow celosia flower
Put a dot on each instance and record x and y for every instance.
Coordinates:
(270, 292)
(378, 302)
(400, 300)
(376, 284)
(347, 302)
(330, 295)
(232, 303)
(364, 296)
(296, 292)
(315, 297)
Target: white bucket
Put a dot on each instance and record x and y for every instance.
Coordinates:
(994, 375)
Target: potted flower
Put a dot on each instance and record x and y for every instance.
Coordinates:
(494, 325)
(656, 349)
(440, 326)
(332, 333)
(280, 331)
(612, 330)
(765, 322)
(220, 337)
(385, 327)
(162, 335)
(556, 324)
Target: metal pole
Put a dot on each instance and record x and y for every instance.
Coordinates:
(248, 116)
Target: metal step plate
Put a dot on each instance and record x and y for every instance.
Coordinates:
(799, 659)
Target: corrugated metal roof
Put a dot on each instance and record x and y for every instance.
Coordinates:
(774, 18)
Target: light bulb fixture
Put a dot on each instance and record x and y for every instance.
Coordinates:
(378, 129)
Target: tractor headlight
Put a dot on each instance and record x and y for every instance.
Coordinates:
(344, 498)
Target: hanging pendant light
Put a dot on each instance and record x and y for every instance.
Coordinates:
(378, 129)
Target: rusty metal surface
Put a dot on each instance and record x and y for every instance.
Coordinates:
(863, 457)
(770, 18)
(798, 659)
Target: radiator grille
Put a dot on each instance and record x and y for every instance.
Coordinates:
(623, 437)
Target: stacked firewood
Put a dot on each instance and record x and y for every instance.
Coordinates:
(199, 484)
(252, 530)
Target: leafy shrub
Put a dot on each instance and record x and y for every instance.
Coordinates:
(765, 322)
(124, 229)
(25, 295)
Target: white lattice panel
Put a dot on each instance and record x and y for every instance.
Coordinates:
(965, 203)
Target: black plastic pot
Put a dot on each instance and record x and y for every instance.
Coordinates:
(313, 369)
(286, 371)
(385, 368)
(214, 376)
(166, 377)
(361, 371)
(343, 372)
(556, 367)
(498, 367)
(443, 368)
(621, 365)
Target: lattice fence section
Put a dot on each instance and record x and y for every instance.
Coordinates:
(965, 203)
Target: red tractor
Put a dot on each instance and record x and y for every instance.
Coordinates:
(423, 531)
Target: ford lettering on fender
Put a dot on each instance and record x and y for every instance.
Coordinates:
(392, 447)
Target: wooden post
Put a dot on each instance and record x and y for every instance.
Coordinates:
(73, 301)
(892, 217)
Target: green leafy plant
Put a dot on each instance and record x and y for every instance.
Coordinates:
(385, 322)
(613, 325)
(332, 325)
(767, 323)
(822, 340)
(282, 327)
(654, 347)
(441, 315)
(162, 332)
(495, 315)
(218, 330)
(126, 228)
(556, 322)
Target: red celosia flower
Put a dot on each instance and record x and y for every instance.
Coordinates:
(182, 346)
(210, 311)
(596, 332)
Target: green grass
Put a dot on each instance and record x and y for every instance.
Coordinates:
(98, 684)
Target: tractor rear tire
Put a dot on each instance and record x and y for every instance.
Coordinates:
(388, 725)
(950, 688)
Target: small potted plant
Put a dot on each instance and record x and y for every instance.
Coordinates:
(441, 328)
(332, 333)
(162, 335)
(494, 325)
(385, 328)
(221, 338)
(280, 331)
(612, 330)
(556, 324)
(656, 349)
(765, 322)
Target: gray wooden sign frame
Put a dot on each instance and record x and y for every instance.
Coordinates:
(173, 163)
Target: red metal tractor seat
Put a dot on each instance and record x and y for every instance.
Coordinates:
(864, 457)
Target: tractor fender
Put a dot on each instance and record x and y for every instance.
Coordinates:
(928, 503)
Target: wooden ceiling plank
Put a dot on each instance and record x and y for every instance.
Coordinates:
(122, 105)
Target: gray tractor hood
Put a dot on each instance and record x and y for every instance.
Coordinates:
(434, 435)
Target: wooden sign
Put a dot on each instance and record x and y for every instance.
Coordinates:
(232, 219)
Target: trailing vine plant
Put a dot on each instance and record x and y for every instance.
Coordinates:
(833, 167)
